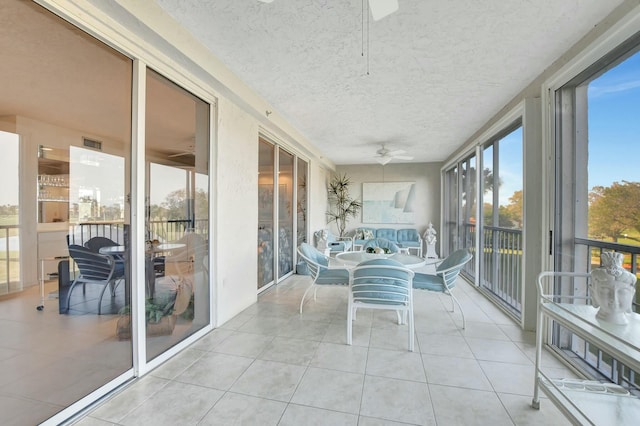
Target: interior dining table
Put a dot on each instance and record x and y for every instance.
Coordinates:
(351, 259)
(151, 252)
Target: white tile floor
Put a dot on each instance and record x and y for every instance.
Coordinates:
(272, 366)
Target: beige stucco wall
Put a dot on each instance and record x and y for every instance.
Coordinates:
(426, 177)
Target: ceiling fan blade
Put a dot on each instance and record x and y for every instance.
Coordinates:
(383, 159)
(266, 1)
(180, 154)
(382, 8)
(397, 152)
(403, 157)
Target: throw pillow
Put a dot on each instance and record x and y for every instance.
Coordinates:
(359, 235)
(368, 234)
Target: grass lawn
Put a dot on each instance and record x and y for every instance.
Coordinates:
(14, 266)
(11, 220)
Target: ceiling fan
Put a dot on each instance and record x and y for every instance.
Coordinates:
(379, 8)
(383, 155)
(181, 154)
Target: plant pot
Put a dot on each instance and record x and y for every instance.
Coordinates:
(164, 327)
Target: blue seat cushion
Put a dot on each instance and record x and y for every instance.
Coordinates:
(458, 257)
(313, 253)
(428, 282)
(407, 235)
(333, 276)
(387, 234)
(364, 289)
(377, 293)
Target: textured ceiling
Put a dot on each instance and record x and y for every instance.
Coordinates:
(431, 75)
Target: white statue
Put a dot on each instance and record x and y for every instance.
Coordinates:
(612, 289)
(430, 239)
(321, 239)
(430, 234)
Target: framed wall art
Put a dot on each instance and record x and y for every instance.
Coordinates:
(388, 202)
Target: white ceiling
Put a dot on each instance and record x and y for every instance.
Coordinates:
(437, 70)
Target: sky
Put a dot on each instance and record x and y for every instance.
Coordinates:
(9, 144)
(614, 132)
(614, 124)
(511, 168)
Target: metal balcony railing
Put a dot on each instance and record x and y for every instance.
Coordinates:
(162, 230)
(589, 356)
(9, 258)
(500, 264)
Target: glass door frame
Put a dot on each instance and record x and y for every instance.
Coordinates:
(277, 148)
(85, 18)
(138, 228)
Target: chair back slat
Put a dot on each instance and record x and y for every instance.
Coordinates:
(455, 259)
(92, 266)
(451, 267)
(381, 284)
(381, 281)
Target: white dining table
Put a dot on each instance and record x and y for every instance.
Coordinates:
(351, 259)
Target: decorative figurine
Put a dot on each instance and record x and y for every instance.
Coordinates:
(430, 240)
(321, 239)
(612, 289)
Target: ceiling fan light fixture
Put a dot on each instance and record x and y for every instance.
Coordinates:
(382, 8)
(383, 160)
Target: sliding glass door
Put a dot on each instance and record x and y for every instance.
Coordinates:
(282, 194)
(502, 218)
(301, 201)
(266, 193)
(65, 137)
(286, 187)
(597, 201)
(177, 214)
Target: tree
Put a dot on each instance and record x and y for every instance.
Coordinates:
(511, 214)
(468, 193)
(341, 204)
(614, 210)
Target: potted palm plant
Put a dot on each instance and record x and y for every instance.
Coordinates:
(341, 205)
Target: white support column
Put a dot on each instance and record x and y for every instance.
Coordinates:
(534, 233)
(137, 230)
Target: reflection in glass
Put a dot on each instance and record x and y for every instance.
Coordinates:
(510, 180)
(285, 213)
(59, 85)
(302, 202)
(451, 209)
(9, 209)
(53, 184)
(177, 216)
(266, 157)
(96, 186)
(488, 188)
(468, 199)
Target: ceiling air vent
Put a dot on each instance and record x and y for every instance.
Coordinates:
(89, 143)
